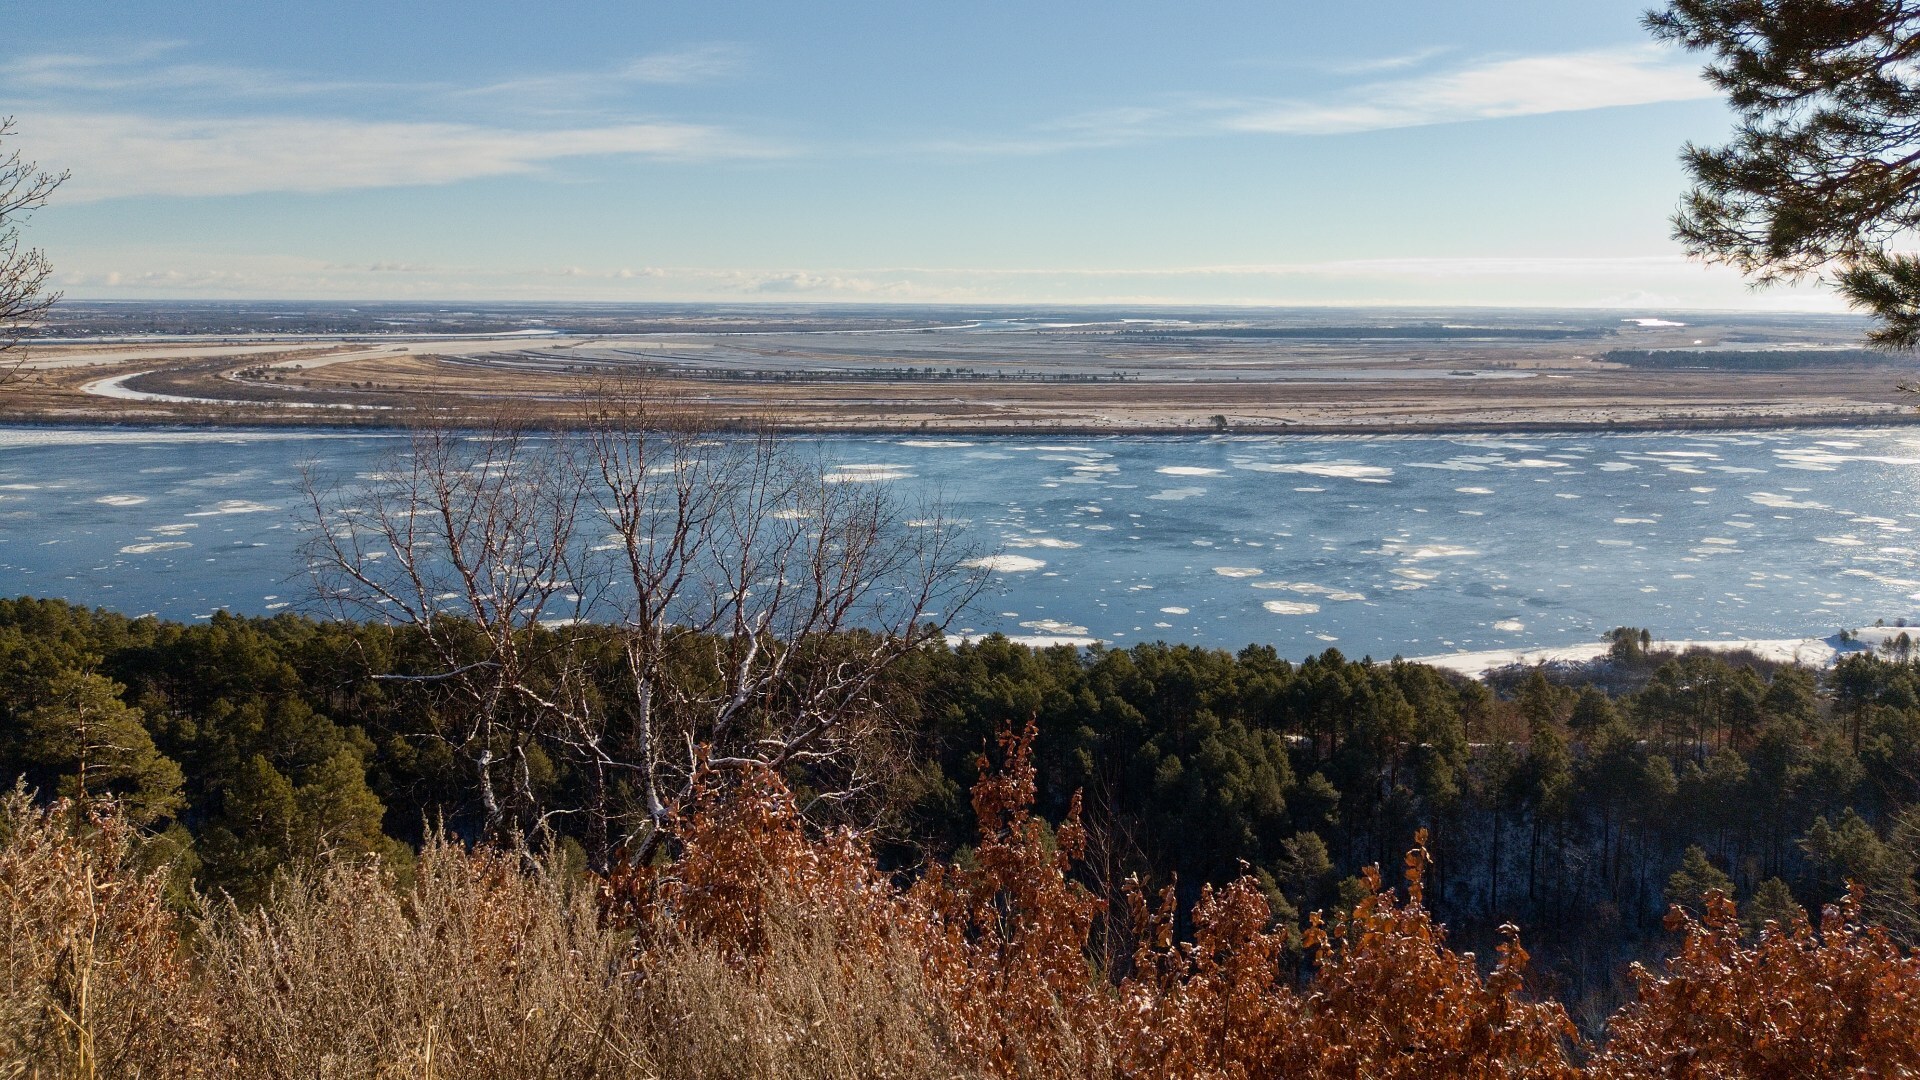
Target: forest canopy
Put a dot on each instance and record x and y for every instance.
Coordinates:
(1575, 806)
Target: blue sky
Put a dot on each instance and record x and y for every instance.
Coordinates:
(1474, 152)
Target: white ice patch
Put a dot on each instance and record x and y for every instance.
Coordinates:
(148, 549)
(1188, 470)
(1452, 464)
(1308, 588)
(1054, 627)
(1040, 542)
(1338, 470)
(866, 474)
(1238, 571)
(1177, 494)
(1006, 564)
(1782, 502)
(1290, 607)
(1177, 610)
(1841, 541)
(1634, 521)
(1510, 626)
(1428, 551)
(235, 506)
(121, 500)
(934, 444)
(1474, 490)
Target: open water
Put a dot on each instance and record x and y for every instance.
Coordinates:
(1377, 545)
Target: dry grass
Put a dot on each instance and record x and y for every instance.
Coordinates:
(478, 969)
(766, 951)
(92, 981)
(809, 1008)
(482, 967)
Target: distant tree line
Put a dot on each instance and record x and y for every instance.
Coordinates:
(1743, 359)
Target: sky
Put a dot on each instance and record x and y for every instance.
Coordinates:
(1477, 152)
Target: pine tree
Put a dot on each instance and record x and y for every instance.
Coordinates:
(1771, 902)
(87, 744)
(1821, 172)
(1696, 877)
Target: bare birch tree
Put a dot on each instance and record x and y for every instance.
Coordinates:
(464, 538)
(752, 601)
(759, 597)
(24, 188)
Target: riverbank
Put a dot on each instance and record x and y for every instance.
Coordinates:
(207, 413)
(1817, 652)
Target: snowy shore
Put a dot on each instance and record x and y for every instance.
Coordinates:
(1812, 651)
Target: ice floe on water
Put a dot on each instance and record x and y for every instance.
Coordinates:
(1238, 571)
(1177, 494)
(1176, 611)
(1308, 588)
(1783, 502)
(236, 506)
(1290, 607)
(1417, 552)
(1055, 628)
(154, 546)
(1040, 542)
(121, 500)
(1337, 470)
(1189, 470)
(935, 444)
(866, 474)
(1006, 564)
(1510, 626)
(1474, 490)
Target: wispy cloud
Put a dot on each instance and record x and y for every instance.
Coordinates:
(113, 155)
(697, 64)
(1489, 90)
(1378, 64)
(217, 130)
(1486, 89)
(143, 69)
(678, 67)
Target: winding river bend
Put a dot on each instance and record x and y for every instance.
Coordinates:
(1376, 545)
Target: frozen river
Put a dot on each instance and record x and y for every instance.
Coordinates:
(1377, 545)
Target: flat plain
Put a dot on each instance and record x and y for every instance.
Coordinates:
(958, 370)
